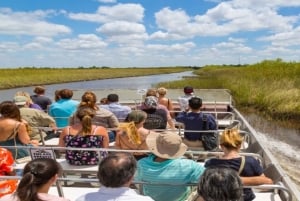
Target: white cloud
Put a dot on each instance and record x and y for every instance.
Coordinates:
(225, 18)
(29, 23)
(82, 42)
(288, 38)
(119, 12)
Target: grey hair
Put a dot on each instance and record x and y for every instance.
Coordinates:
(220, 184)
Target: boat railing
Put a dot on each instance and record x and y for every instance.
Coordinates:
(263, 192)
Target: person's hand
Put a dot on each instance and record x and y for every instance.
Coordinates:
(34, 142)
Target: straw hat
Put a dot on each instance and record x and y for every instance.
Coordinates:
(166, 145)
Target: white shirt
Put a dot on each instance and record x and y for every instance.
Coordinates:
(114, 194)
(184, 101)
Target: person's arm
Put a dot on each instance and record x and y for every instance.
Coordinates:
(103, 132)
(64, 132)
(23, 134)
(256, 180)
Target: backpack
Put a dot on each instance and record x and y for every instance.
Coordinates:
(210, 140)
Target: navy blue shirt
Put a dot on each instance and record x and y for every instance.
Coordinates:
(252, 167)
(193, 121)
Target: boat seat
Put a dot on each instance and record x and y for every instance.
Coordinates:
(267, 196)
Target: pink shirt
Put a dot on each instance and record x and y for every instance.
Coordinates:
(42, 196)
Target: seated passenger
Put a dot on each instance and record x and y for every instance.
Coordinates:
(102, 117)
(113, 105)
(153, 94)
(62, 109)
(39, 98)
(115, 174)
(132, 135)
(220, 184)
(165, 165)
(38, 176)
(31, 103)
(14, 130)
(7, 186)
(193, 121)
(156, 117)
(184, 100)
(163, 100)
(246, 166)
(84, 135)
(35, 118)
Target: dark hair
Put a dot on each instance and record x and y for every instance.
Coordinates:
(39, 90)
(195, 103)
(116, 169)
(85, 115)
(36, 173)
(220, 183)
(9, 109)
(66, 94)
(113, 98)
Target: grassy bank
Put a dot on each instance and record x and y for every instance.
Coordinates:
(270, 87)
(10, 78)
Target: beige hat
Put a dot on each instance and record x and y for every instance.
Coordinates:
(166, 145)
(20, 100)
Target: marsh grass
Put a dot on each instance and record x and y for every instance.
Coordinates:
(10, 78)
(270, 87)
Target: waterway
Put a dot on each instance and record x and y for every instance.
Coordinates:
(284, 143)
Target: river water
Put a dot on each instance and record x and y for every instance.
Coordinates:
(284, 143)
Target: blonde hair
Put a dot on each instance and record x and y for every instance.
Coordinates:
(131, 131)
(25, 94)
(231, 139)
(162, 91)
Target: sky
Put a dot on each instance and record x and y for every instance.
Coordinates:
(147, 33)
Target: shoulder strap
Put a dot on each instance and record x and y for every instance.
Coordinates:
(242, 165)
(15, 131)
(95, 130)
(204, 122)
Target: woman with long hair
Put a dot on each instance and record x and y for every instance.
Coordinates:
(84, 134)
(13, 130)
(38, 176)
(132, 135)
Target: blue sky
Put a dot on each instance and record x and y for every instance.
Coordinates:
(136, 33)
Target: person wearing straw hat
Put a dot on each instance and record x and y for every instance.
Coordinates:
(165, 165)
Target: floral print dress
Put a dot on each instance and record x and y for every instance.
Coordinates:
(84, 157)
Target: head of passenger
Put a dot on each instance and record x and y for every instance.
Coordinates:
(89, 99)
(65, 94)
(117, 170)
(136, 116)
(37, 173)
(166, 145)
(151, 92)
(220, 184)
(162, 91)
(231, 139)
(134, 120)
(85, 116)
(188, 90)
(151, 102)
(9, 109)
(112, 98)
(40, 90)
(195, 103)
